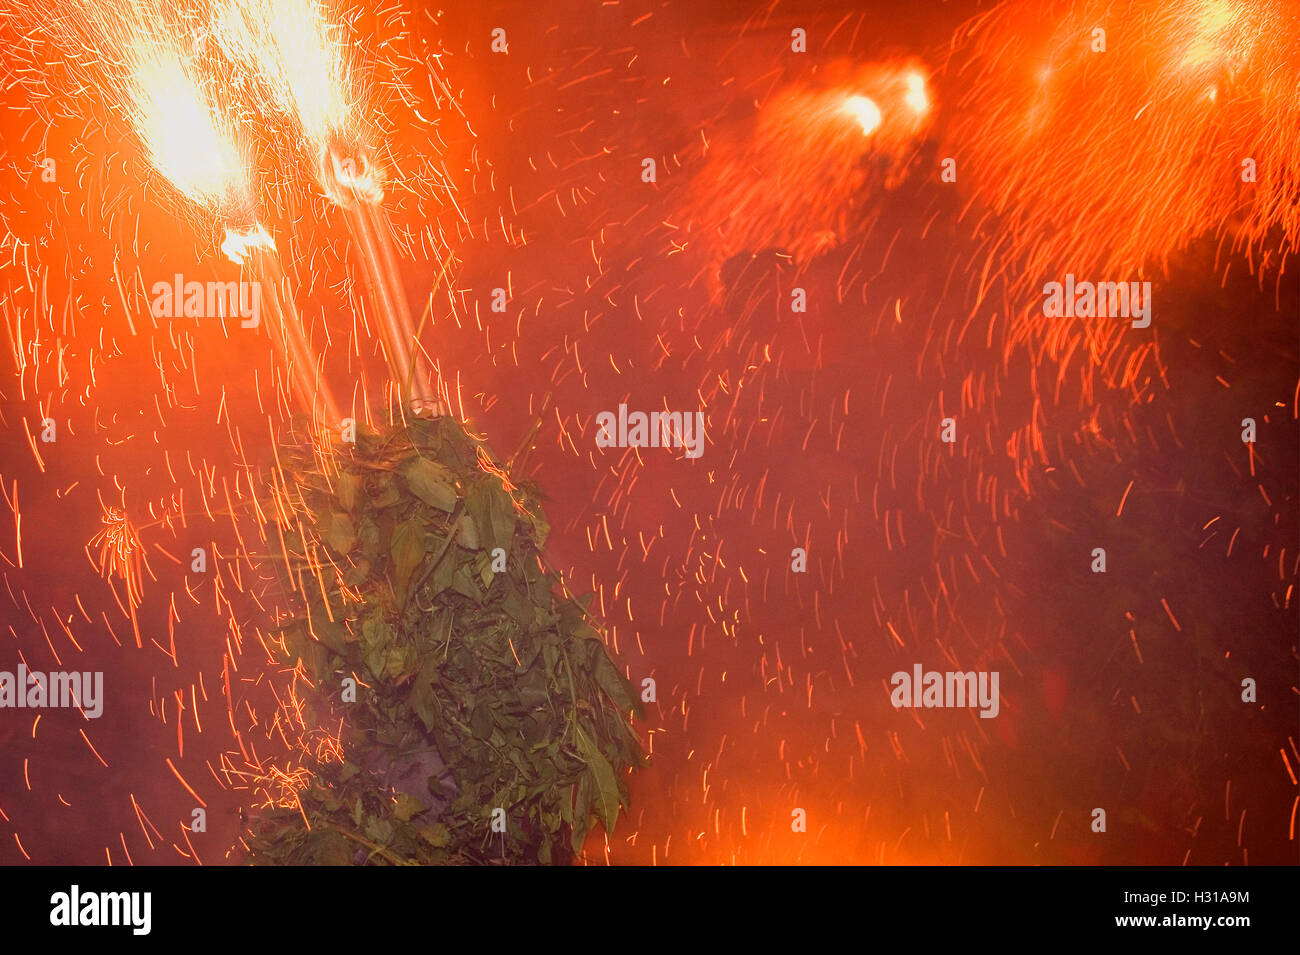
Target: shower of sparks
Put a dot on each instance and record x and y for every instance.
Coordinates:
(923, 301)
(292, 46)
(1103, 162)
(186, 140)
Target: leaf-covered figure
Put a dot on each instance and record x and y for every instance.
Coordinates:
(480, 683)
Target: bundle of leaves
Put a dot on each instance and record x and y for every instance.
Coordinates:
(484, 698)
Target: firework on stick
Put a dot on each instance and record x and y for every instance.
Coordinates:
(299, 56)
(189, 144)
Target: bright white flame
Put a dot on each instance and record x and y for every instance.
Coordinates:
(916, 97)
(865, 111)
(237, 245)
(185, 140)
(297, 50)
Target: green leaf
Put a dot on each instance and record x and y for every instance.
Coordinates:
(442, 575)
(380, 830)
(333, 849)
(503, 516)
(347, 486)
(357, 573)
(609, 679)
(467, 534)
(387, 494)
(376, 640)
(493, 512)
(541, 526)
(480, 721)
(606, 784)
(330, 633)
(408, 551)
(339, 532)
(406, 807)
(436, 835)
(368, 537)
(433, 483)
(465, 582)
(582, 811)
(422, 699)
(485, 573)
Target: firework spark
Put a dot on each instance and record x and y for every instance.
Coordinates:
(120, 553)
(1108, 155)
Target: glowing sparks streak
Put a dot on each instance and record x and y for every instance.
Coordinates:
(369, 228)
(255, 247)
(289, 336)
(120, 552)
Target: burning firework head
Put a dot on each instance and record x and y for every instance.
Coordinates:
(897, 97)
(347, 175)
(1143, 127)
(238, 244)
(861, 125)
